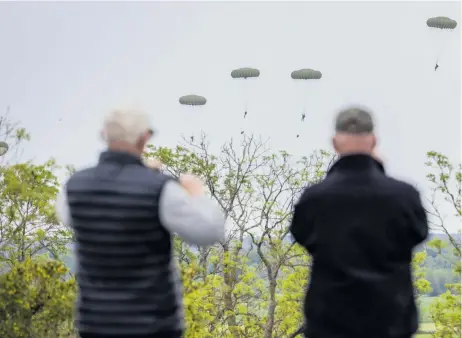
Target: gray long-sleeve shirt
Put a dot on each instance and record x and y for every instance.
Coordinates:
(196, 219)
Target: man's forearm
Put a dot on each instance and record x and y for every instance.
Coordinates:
(196, 219)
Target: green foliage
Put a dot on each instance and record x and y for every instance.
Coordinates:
(35, 300)
(446, 182)
(446, 313)
(446, 179)
(13, 134)
(421, 284)
(252, 284)
(28, 224)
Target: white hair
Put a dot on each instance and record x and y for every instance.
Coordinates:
(125, 125)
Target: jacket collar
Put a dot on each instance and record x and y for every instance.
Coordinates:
(356, 162)
(119, 157)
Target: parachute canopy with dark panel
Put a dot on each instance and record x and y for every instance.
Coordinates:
(306, 74)
(245, 73)
(3, 148)
(441, 22)
(193, 100)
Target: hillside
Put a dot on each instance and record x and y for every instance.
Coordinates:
(438, 272)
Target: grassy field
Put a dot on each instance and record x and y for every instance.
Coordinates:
(424, 307)
(426, 324)
(426, 327)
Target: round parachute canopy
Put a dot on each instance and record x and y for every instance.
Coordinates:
(441, 22)
(3, 148)
(245, 73)
(306, 74)
(193, 100)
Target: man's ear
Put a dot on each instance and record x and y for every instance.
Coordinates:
(143, 140)
(147, 137)
(374, 141)
(334, 144)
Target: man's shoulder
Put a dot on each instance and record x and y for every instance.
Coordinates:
(145, 173)
(134, 174)
(398, 186)
(79, 174)
(387, 184)
(312, 191)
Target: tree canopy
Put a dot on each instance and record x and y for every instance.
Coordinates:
(251, 284)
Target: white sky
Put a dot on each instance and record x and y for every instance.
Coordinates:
(64, 65)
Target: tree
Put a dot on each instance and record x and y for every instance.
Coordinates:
(446, 180)
(13, 134)
(421, 284)
(36, 301)
(28, 224)
(256, 189)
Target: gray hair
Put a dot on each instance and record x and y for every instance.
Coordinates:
(354, 120)
(125, 125)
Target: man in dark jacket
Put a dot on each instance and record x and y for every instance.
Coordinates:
(124, 214)
(360, 226)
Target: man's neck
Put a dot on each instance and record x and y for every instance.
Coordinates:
(123, 147)
(354, 152)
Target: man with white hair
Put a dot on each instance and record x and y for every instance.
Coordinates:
(360, 227)
(124, 214)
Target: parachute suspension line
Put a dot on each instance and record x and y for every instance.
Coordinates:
(245, 74)
(305, 96)
(438, 41)
(444, 42)
(305, 90)
(245, 94)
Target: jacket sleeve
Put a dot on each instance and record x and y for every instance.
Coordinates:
(416, 219)
(196, 219)
(62, 207)
(302, 225)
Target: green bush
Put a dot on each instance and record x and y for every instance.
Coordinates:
(36, 301)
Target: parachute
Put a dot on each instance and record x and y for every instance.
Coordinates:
(245, 74)
(441, 22)
(440, 26)
(192, 100)
(3, 148)
(305, 74)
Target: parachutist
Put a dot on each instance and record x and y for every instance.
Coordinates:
(303, 117)
(245, 114)
(436, 67)
(192, 138)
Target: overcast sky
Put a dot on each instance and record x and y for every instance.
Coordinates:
(64, 65)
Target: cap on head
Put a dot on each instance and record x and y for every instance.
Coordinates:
(354, 121)
(126, 125)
